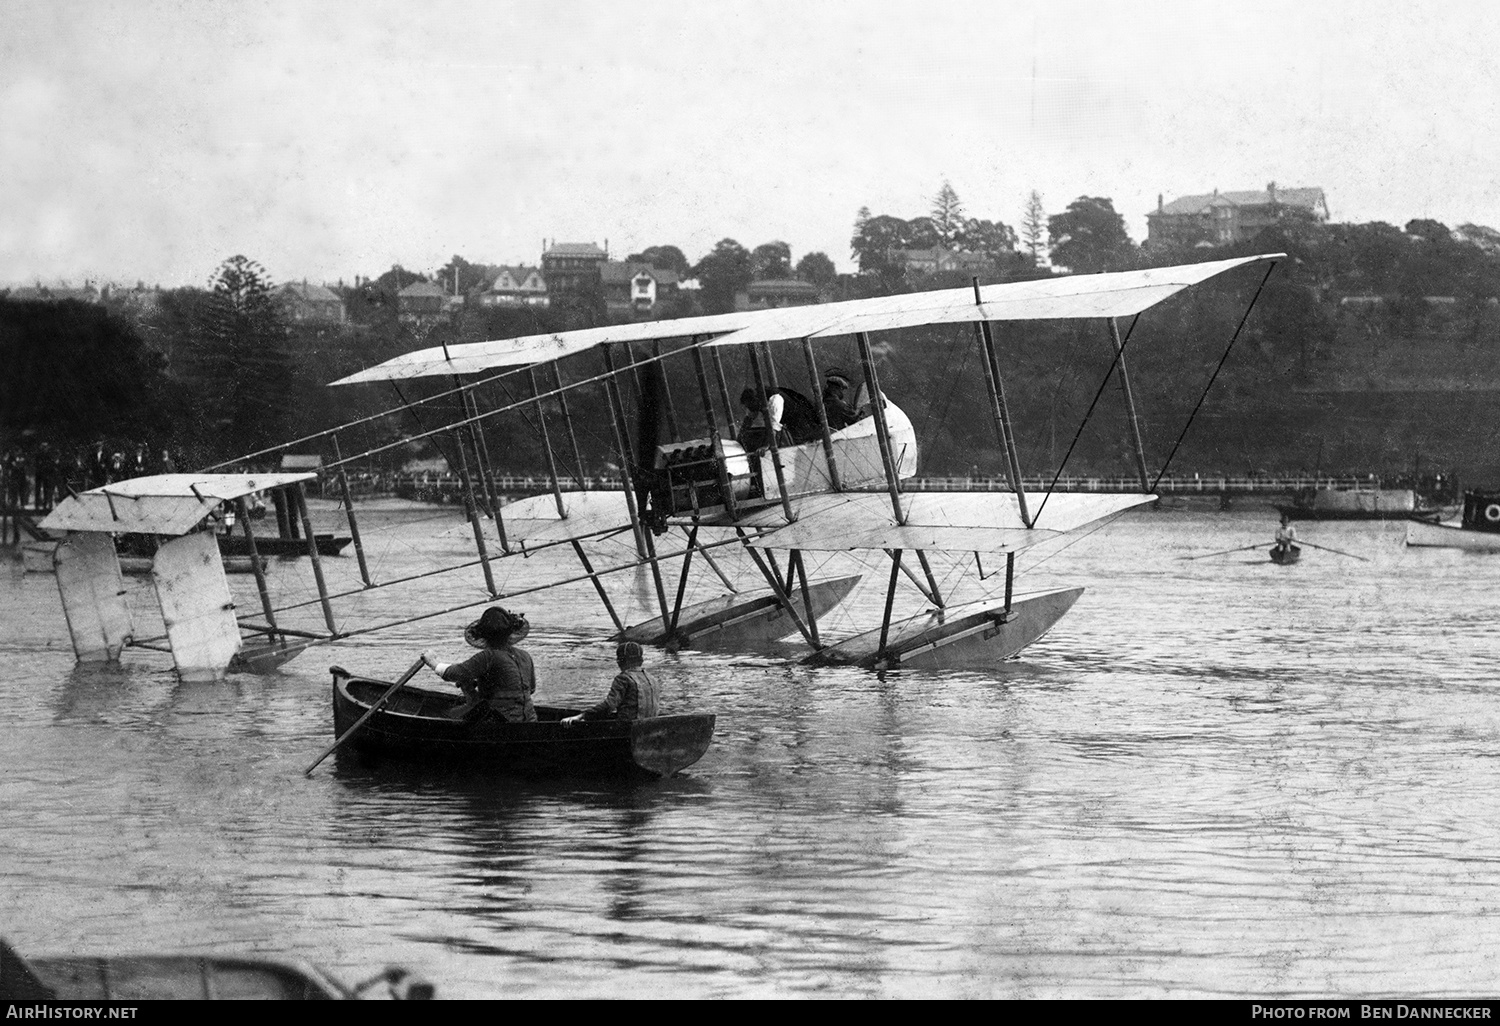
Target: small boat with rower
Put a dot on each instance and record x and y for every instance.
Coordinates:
(1285, 556)
(416, 724)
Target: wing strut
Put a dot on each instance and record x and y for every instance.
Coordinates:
(1135, 424)
(541, 419)
(812, 376)
(1001, 411)
(562, 406)
(1234, 338)
(644, 547)
(359, 545)
(773, 578)
(754, 352)
(882, 431)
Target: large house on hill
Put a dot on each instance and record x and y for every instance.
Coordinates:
(636, 289)
(514, 286)
(573, 268)
(305, 303)
(771, 293)
(941, 258)
(1219, 218)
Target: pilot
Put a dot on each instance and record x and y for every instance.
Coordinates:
(838, 407)
(783, 413)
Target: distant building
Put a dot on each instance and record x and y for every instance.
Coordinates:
(636, 289)
(941, 258)
(572, 268)
(305, 303)
(1484, 237)
(54, 293)
(1220, 218)
(421, 299)
(777, 292)
(514, 287)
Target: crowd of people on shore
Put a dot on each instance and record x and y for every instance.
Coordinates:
(37, 474)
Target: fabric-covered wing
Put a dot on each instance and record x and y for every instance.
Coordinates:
(533, 522)
(1117, 294)
(170, 504)
(935, 521)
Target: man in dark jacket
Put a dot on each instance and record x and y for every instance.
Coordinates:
(783, 413)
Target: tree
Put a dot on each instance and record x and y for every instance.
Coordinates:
(243, 363)
(922, 233)
(663, 258)
(1090, 237)
(1432, 231)
(1034, 226)
(875, 237)
(72, 371)
(817, 268)
(992, 238)
(947, 214)
(771, 260)
(469, 276)
(722, 273)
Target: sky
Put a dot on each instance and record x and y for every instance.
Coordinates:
(147, 140)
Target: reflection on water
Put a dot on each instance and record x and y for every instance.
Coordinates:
(1216, 777)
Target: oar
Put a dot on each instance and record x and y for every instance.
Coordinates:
(1325, 548)
(1226, 552)
(373, 709)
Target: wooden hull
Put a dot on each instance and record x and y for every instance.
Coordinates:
(1351, 504)
(414, 725)
(1286, 558)
(182, 977)
(965, 637)
(271, 545)
(1450, 536)
(739, 621)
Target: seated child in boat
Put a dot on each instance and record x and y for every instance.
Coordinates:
(632, 694)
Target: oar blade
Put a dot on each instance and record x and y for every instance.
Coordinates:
(374, 708)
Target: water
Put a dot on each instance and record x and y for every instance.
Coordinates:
(1215, 778)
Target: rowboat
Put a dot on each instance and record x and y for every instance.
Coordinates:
(272, 545)
(188, 977)
(415, 724)
(1287, 557)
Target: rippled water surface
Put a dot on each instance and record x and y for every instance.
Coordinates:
(1216, 777)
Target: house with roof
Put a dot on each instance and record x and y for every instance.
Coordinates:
(305, 303)
(572, 268)
(421, 299)
(941, 258)
(772, 293)
(636, 290)
(514, 287)
(1219, 218)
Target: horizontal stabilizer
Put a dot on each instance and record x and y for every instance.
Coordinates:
(170, 504)
(936, 521)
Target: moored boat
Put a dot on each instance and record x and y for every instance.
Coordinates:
(1477, 531)
(415, 724)
(188, 977)
(1357, 504)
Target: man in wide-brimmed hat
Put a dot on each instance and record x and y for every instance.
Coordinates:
(500, 678)
(840, 410)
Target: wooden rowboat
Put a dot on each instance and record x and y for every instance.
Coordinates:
(188, 978)
(415, 724)
(1287, 558)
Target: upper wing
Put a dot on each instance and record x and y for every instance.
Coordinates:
(1116, 294)
(935, 521)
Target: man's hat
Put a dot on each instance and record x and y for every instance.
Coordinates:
(836, 376)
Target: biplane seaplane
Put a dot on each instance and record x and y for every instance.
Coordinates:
(686, 491)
